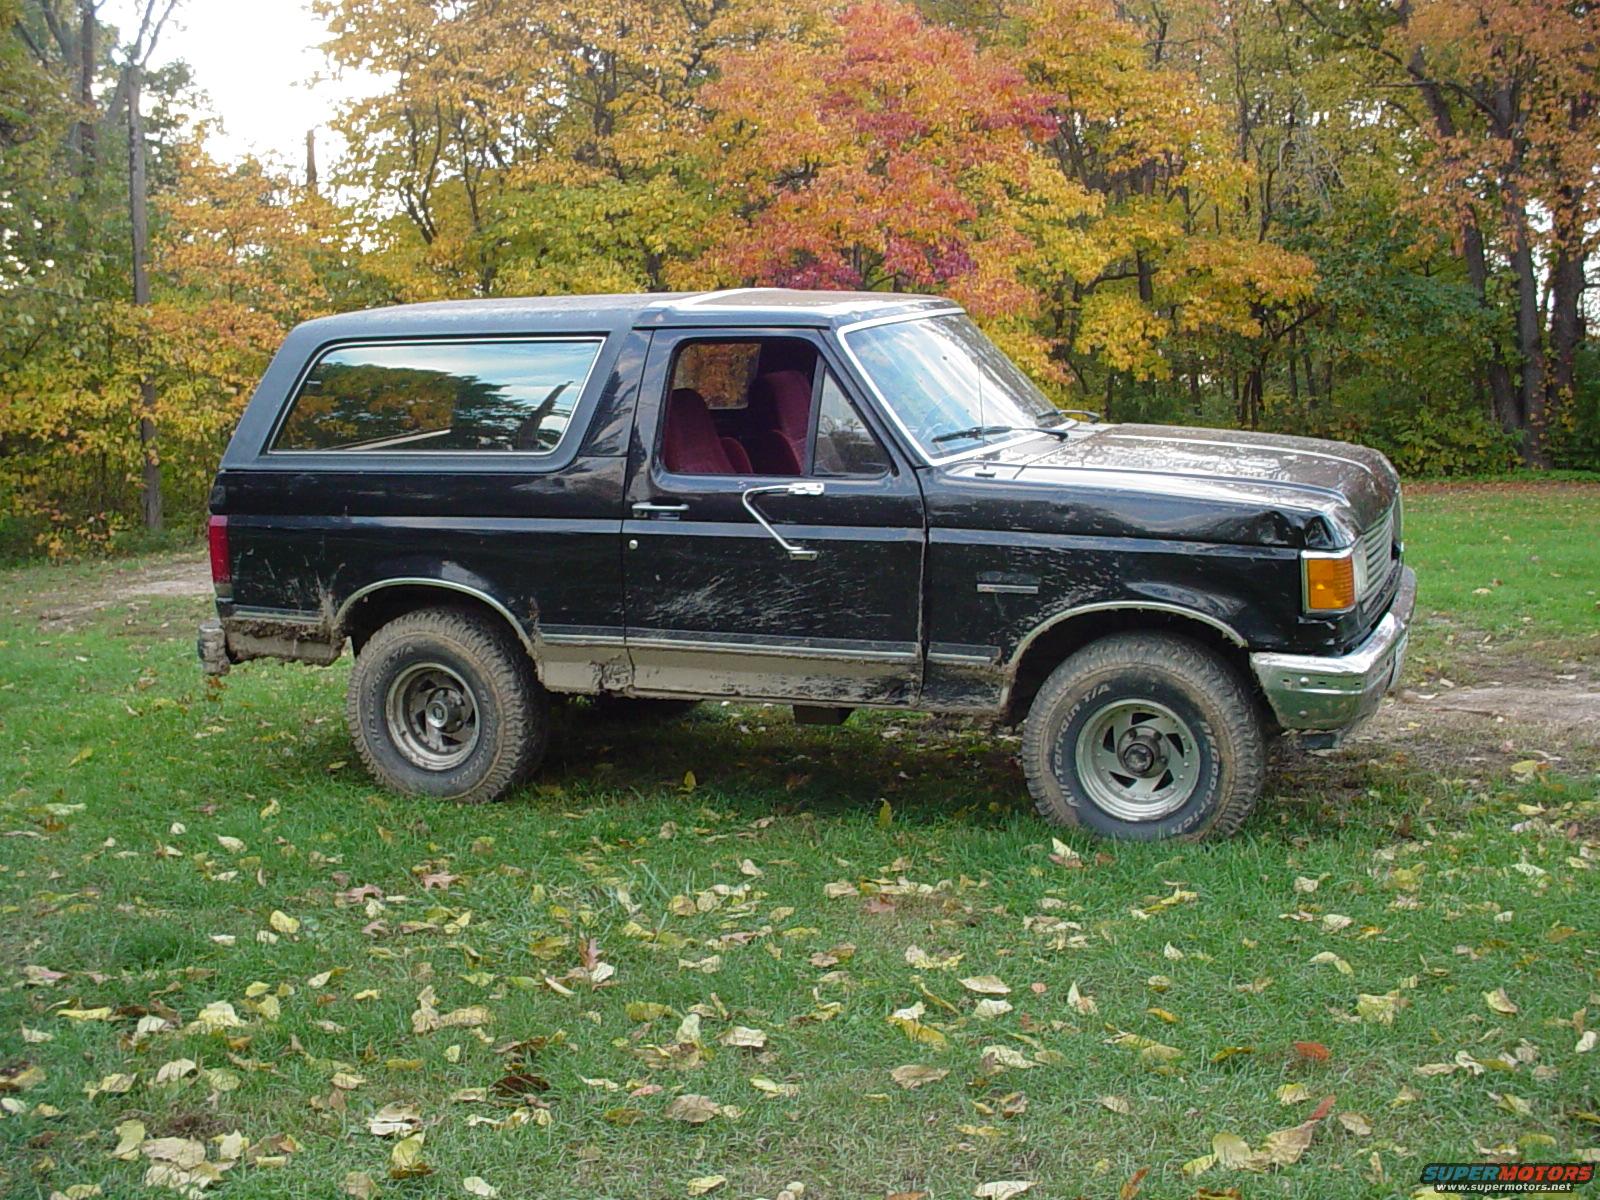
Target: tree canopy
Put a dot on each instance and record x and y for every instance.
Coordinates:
(1359, 219)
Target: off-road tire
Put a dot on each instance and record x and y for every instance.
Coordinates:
(512, 709)
(1189, 680)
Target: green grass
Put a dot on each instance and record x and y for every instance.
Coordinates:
(124, 770)
(1515, 560)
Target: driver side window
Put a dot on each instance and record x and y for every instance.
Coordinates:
(762, 407)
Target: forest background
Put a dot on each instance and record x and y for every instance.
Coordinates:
(1361, 219)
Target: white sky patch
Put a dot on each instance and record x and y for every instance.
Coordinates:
(259, 63)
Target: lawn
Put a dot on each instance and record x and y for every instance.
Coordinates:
(674, 964)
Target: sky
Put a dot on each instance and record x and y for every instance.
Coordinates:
(255, 59)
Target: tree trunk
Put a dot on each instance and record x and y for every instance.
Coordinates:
(87, 128)
(1566, 325)
(1501, 393)
(1530, 346)
(150, 481)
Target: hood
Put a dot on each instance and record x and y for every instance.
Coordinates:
(1350, 487)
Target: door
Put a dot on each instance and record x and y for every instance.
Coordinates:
(773, 545)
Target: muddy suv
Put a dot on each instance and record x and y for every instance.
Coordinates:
(831, 500)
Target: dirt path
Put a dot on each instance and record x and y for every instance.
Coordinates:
(176, 575)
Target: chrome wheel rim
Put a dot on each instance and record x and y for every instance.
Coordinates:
(432, 716)
(1137, 760)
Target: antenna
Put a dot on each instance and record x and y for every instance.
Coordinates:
(983, 420)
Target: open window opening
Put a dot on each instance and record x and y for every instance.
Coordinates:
(766, 407)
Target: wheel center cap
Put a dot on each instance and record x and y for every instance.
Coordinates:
(1141, 753)
(444, 711)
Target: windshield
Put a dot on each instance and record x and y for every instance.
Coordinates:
(950, 386)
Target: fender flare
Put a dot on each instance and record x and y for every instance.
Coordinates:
(342, 615)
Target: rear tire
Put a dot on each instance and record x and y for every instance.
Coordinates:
(444, 702)
(1145, 736)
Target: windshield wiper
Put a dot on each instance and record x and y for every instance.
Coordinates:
(980, 431)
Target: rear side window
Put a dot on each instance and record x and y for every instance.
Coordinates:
(440, 397)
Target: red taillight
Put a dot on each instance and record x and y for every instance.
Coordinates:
(221, 562)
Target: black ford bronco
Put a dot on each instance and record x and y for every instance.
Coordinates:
(833, 500)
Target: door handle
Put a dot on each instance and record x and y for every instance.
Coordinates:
(801, 553)
(649, 508)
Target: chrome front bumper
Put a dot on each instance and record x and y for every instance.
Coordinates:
(1310, 692)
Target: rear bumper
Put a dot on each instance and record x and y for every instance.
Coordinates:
(1333, 694)
(238, 639)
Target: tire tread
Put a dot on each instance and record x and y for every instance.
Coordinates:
(1197, 667)
(521, 701)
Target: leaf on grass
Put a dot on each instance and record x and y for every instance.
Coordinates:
(915, 1075)
(986, 985)
(84, 1014)
(691, 1108)
(1227, 1052)
(1313, 1051)
(283, 923)
(1356, 1123)
(704, 1184)
(1081, 1002)
(909, 1022)
(743, 1035)
(988, 1010)
(1293, 1093)
(1132, 1185)
(130, 1136)
(1150, 1051)
(111, 1085)
(176, 1069)
(405, 1160)
(1379, 1010)
(919, 958)
(998, 1057)
(181, 1152)
(641, 1011)
(219, 1014)
(1329, 958)
(1003, 1189)
(1515, 1105)
(1117, 1104)
(428, 1019)
(1230, 1150)
(772, 1088)
(476, 1185)
(1501, 1003)
(394, 1119)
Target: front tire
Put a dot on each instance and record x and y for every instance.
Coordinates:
(444, 702)
(1145, 736)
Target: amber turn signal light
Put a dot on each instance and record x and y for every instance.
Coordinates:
(1330, 582)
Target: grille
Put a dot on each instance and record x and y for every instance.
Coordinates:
(1375, 554)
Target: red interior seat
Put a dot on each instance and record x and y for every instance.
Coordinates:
(689, 444)
(779, 421)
